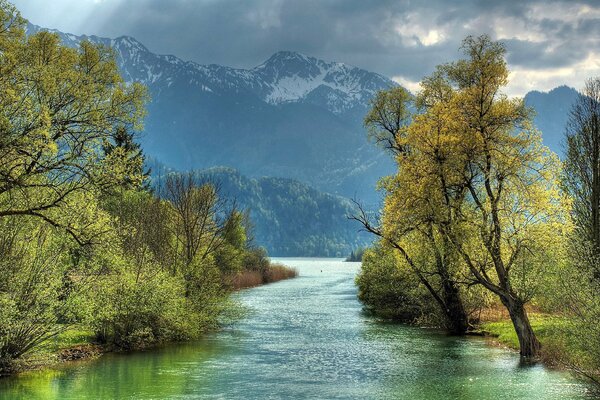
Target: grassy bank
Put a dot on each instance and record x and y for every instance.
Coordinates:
(74, 343)
(559, 347)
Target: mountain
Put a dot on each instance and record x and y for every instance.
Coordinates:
(290, 218)
(552, 112)
(293, 116)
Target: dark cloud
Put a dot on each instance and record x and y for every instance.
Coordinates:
(396, 38)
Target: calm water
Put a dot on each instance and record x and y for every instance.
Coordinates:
(306, 339)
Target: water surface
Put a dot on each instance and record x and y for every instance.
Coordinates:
(306, 338)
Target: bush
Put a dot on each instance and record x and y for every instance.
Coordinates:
(134, 311)
(389, 291)
(39, 286)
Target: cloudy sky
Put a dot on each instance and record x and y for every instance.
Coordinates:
(549, 42)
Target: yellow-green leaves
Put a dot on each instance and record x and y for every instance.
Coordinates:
(388, 117)
(58, 106)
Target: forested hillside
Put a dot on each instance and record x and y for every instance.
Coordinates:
(290, 218)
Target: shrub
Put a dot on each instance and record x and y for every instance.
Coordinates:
(389, 291)
(134, 311)
(278, 272)
(38, 289)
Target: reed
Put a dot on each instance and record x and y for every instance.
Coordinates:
(251, 278)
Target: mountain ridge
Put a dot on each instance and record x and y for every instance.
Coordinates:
(272, 81)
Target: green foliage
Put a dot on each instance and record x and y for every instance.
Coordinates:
(388, 118)
(390, 291)
(58, 106)
(129, 310)
(573, 294)
(230, 255)
(476, 199)
(127, 160)
(41, 283)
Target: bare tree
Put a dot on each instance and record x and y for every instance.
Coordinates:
(201, 215)
(582, 165)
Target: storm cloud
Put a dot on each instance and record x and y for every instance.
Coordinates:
(549, 42)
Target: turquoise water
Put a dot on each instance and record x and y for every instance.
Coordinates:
(306, 338)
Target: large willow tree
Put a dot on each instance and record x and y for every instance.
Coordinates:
(413, 214)
(511, 217)
(476, 198)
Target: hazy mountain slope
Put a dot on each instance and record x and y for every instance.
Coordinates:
(552, 111)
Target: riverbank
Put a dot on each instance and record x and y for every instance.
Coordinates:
(559, 349)
(79, 343)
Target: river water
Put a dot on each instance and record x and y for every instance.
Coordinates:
(306, 338)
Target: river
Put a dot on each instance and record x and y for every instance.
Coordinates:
(306, 338)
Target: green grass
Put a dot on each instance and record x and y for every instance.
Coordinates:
(49, 352)
(548, 328)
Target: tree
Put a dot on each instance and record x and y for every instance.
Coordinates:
(387, 118)
(127, 160)
(412, 217)
(201, 216)
(581, 176)
(389, 291)
(230, 256)
(44, 280)
(577, 292)
(512, 215)
(57, 106)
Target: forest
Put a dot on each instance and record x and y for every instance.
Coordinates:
(89, 246)
(483, 228)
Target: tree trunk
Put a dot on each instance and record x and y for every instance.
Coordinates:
(456, 316)
(528, 343)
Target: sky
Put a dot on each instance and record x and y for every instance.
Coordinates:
(549, 43)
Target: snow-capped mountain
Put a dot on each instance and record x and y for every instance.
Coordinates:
(285, 77)
(292, 116)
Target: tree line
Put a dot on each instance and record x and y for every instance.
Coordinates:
(480, 213)
(85, 237)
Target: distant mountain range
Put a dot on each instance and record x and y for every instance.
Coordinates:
(552, 111)
(292, 116)
(290, 218)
